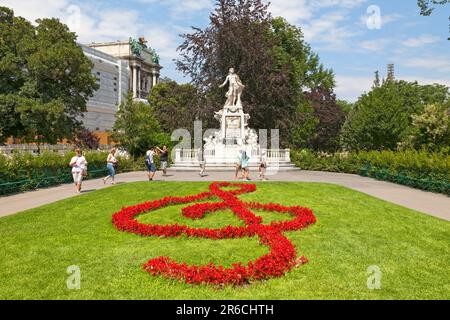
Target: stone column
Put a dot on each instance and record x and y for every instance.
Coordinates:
(154, 79)
(139, 83)
(134, 82)
(150, 82)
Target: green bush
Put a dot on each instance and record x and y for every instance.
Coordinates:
(418, 169)
(23, 171)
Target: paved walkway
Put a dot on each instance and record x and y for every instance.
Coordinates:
(437, 205)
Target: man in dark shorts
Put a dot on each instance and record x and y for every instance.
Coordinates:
(164, 158)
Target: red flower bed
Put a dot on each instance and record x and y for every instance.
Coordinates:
(281, 258)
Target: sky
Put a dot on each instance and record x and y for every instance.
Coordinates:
(353, 37)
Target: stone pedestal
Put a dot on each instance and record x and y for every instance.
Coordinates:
(233, 136)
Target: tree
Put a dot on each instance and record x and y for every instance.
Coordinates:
(382, 118)
(430, 130)
(177, 106)
(45, 79)
(269, 55)
(427, 6)
(324, 120)
(345, 106)
(136, 128)
(86, 139)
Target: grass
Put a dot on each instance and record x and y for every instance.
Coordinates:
(354, 231)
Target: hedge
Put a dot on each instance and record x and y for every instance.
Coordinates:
(23, 171)
(418, 169)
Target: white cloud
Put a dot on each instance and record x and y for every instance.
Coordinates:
(328, 32)
(299, 11)
(179, 9)
(433, 64)
(351, 87)
(421, 41)
(32, 9)
(376, 45)
(108, 25)
(292, 11)
(164, 42)
(330, 29)
(426, 80)
(339, 3)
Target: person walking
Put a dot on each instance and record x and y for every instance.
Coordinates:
(202, 162)
(79, 169)
(164, 158)
(150, 162)
(111, 164)
(245, 163)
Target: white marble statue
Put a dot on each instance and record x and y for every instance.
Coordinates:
(234, 91)
(212, 140)
(252, 138)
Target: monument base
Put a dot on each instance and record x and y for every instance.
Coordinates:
(224, 158)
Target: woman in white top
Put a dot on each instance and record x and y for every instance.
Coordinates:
(150, 162)
(111, 161)
(79, 168)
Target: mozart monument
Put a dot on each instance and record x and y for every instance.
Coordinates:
(221, 149)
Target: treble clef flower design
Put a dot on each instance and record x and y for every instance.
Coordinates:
(280, 260)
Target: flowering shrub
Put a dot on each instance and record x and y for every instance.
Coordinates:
(281, 258)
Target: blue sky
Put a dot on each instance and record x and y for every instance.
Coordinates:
(349, 35)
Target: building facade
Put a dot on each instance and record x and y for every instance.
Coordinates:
(120, 67)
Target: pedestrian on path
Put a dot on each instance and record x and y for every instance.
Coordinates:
(164, 158)
(245, 164)
(150, 163)
(79, 169)
(111, 164)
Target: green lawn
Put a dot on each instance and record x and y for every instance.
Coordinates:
(353, 232)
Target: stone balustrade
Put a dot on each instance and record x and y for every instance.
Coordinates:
(272, 155)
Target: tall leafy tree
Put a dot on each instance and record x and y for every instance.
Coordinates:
(270, 56)
(45, 79)
(345, 106)
(321, 123)
(177, 106)
(136, 128)
(382, 118)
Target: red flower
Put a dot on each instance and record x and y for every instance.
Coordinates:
(281, 258)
